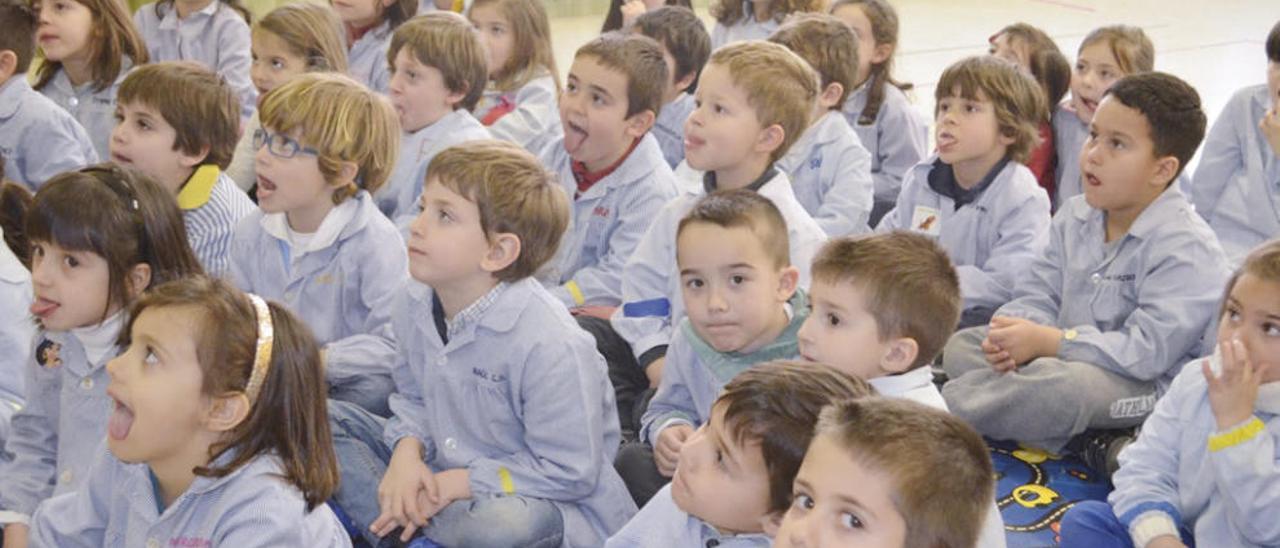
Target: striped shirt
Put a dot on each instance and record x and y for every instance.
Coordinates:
(211, 206)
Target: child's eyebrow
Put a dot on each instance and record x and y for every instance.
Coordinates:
(747, 266)
(600, 90)
(845, 499)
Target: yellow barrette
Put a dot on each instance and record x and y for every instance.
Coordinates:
(262, 354)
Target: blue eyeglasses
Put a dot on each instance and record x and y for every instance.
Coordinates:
(279, 145)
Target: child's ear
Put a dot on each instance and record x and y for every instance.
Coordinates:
(788, 282)
(881, 53)
(347, 172)
(902, 352)
(455, 97)
(830, 97)
(639, 123)
(227, 411)
(1164, 171)
(770, 139)
(771, 522)
(139, 279)
(8, 64)
(503, 251)
(189, 160)
(683, 82)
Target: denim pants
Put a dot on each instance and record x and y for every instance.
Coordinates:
(1093, 524)
(370, 392)
(481, 521)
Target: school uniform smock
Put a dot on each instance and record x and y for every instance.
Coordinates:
(668, 128)
(95, 109)
(991, 232)
(830, 174)
(1069, 135)
(211, 207)
(662, 524)
(341, 282)
(367, 58)
(1236, 187)
(514, 392)
(1184, 471)
(746, 28)
(607, 221)
(241, 169)
(527, 116)
(16, 331)
(215, 36)
(55, 438)
(652, 302)
(897, 139)
(120, 505)
(398, 199)
(39, 139)
(1136, 306)
(695, 372)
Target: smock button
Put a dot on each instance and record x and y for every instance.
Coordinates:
(86, 383)
(1095, 278)
(66, 476)
(450, 444)
(153, 543)
(74, 102)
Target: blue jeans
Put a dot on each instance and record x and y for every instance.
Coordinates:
(1093, 524)
(368, 391)
(481, 521)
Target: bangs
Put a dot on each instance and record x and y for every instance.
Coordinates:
(63, 214)
(961, 80)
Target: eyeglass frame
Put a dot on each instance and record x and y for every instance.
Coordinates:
(263, 137)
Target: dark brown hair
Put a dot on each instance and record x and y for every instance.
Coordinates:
(19, 36)
(201, 107)
(446, 41)
(684, 36)
(112, 37)
(884, 30)
(639, 58)
(514, 194)
(748, 209)
(776, 404)
(911, 288)
(1017, 99)
(1172, 109)
(613, 19)
(1273, 44)
(827, 44)
(15, 202)
(287, 420)
(1045, 61)
(944, 489)
(119, 214)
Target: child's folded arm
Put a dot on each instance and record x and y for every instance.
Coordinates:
(645, 317)
(673, 401)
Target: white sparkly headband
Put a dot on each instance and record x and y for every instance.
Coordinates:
(262, 354)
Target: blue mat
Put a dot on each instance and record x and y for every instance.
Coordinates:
(1034, 489)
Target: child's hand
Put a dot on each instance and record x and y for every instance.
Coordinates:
(407, 484)
(15, 535)
(1270, 126)
(667, 453)
(454, 485)
(1166, 541)
(1233, 393)
(997, 357)
(1022, 340)
(631, 9)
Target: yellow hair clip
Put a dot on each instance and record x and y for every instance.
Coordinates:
(262, 354)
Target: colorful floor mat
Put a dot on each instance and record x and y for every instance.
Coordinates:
(1034, 489)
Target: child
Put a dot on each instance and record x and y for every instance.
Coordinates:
(609, 163)
(37, 138)
(1036, 54)
(1203, 471)
(882, 308)
(830, 171)
(743, 309)
(437, 75)
(293, 39)
(178, 123)
(975, 195)
(738, 20)
(504, 426)
(214, 33)
(217, 434)
(369, 24)
(889, 128)
(89, 46)
(17, 330)
(755, 100)
(1106, 55)
(734, 479)
(685, 47)
(889, 472)
(519, 104)
(624, 13)
(1121, 294)
(99, 238)
(1233, 187)
(317, 242)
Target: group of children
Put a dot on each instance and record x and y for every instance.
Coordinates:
(696, 292)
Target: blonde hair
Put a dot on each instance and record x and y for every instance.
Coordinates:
(343, 121)
(780, 86)
(1016, 97)
(312, 31)
(1132, 49)
(514, 193)
(531, 54)
(729, 12)
(829, 46)
(448, 42)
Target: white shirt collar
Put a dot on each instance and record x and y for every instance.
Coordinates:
(99, 340)
(277, 225)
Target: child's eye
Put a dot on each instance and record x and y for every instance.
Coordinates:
(718, 109)
(444, 216)
(850, 521)
(412, 75)
(570, 87)
(1117, 144)
(737, 279)
(119, 117)
(972, 108)
(1105, 74)
(802, 501)
(143, 125)
(1080, 67)
(720, 459)
(37, 251)
(598, 99)
(833, 320)
(1271, 329)
(71, 262)
(1233, 314)
(277, 63)
(694, 283)
(150, 358)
